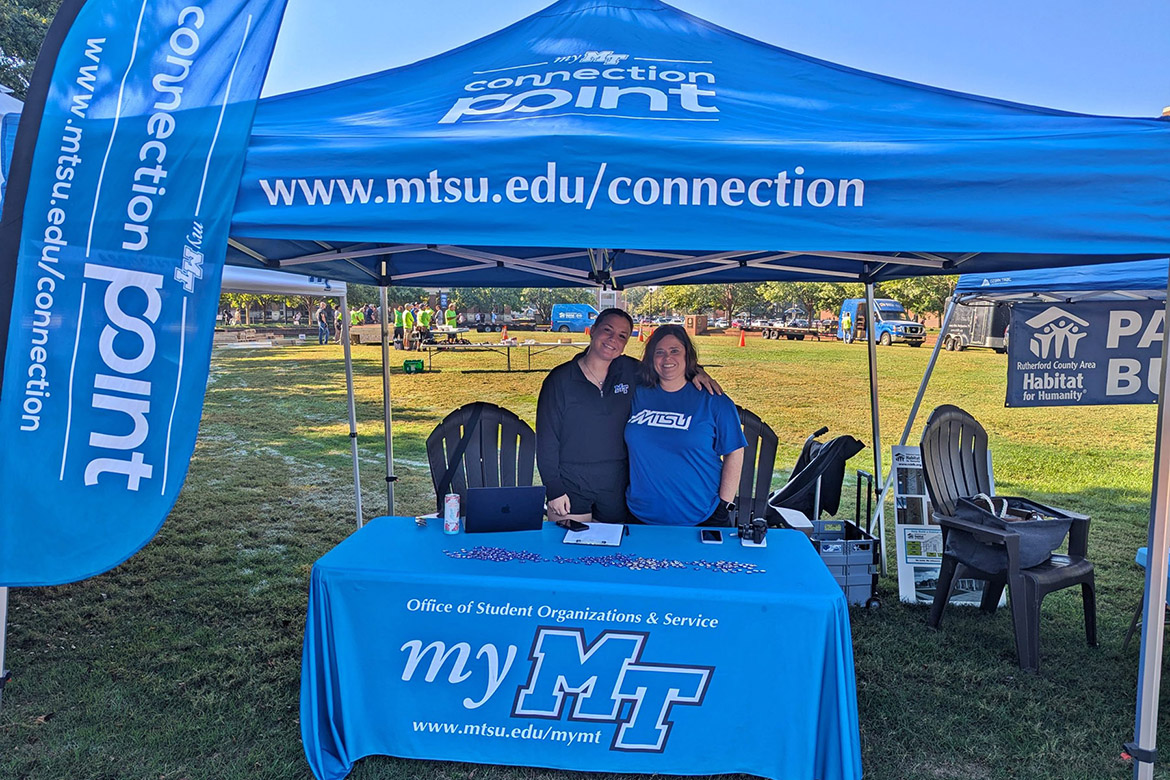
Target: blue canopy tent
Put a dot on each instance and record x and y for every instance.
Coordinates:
(614, 143)
(630, 143)
(1138, 280)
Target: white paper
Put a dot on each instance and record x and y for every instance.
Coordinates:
(601, 534)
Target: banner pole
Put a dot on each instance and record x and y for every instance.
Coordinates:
(875, 419)
(1145, 730)
(353, 446)
(387, 430)
(3, 641)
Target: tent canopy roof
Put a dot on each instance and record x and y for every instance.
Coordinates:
(692, 154)
(1144, 279)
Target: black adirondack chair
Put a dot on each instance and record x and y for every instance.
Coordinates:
(480, 445)
(759, 461)
(955, 464)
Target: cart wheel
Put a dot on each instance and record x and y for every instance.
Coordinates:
(873, 603)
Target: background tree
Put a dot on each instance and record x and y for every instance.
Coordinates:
(813, 297)
(645, 301)
(922, 294)
(543, 298)
(23, 25)
(487, 299)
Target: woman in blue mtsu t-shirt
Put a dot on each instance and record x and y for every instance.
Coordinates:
(685, 446)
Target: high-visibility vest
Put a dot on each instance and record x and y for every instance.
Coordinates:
(398, 318)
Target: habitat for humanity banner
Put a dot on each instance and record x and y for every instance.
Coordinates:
(1086, 353)
(137, 158)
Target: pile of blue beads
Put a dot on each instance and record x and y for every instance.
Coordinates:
(619, 560)
(495, 555)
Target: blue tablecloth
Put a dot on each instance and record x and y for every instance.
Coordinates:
(662, 656)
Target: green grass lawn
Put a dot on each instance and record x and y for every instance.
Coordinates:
(184, 662)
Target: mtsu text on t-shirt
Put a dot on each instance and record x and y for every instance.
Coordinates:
(676, 443)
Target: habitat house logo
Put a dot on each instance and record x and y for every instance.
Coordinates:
(1054, 332)
(591, 83)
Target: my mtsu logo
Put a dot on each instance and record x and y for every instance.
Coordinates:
(1057, 333)
(608, 682)
(655, 419)
(600, 57)
(621, 389)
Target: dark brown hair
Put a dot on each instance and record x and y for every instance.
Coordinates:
(607, 313)
(647, 374)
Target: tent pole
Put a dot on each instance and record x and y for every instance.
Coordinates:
(3, 639)
(871, 331)
(386, 428)
(1145, 731)
(353, 446)
(942, 332)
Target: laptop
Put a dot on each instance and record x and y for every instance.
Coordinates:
(494, 509)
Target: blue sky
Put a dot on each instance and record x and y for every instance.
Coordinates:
(1079, 55)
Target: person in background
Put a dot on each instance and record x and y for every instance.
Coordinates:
(686, 446)
(398, 333)
(408, 328)
(437, 317)
(451, 318)
(323, 323)
(424, 318)
(340, 315)
(847, 327)
(580, 422)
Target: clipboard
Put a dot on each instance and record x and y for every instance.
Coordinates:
(598, 535)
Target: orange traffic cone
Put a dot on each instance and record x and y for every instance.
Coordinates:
(641, 332)
(742, 338)
(504, 333)
(586, 331)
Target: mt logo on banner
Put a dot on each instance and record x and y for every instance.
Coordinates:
(603, 682)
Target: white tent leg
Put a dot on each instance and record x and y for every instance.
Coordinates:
(3, 638)
(387, 428)
(353, 447)
(1145, 732)
(871, 330)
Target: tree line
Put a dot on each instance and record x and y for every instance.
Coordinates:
(921, 295)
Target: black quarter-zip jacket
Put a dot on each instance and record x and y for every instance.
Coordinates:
(578, 425)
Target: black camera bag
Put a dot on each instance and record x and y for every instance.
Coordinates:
(1038, 537)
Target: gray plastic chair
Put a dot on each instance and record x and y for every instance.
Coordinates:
(954, 460)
